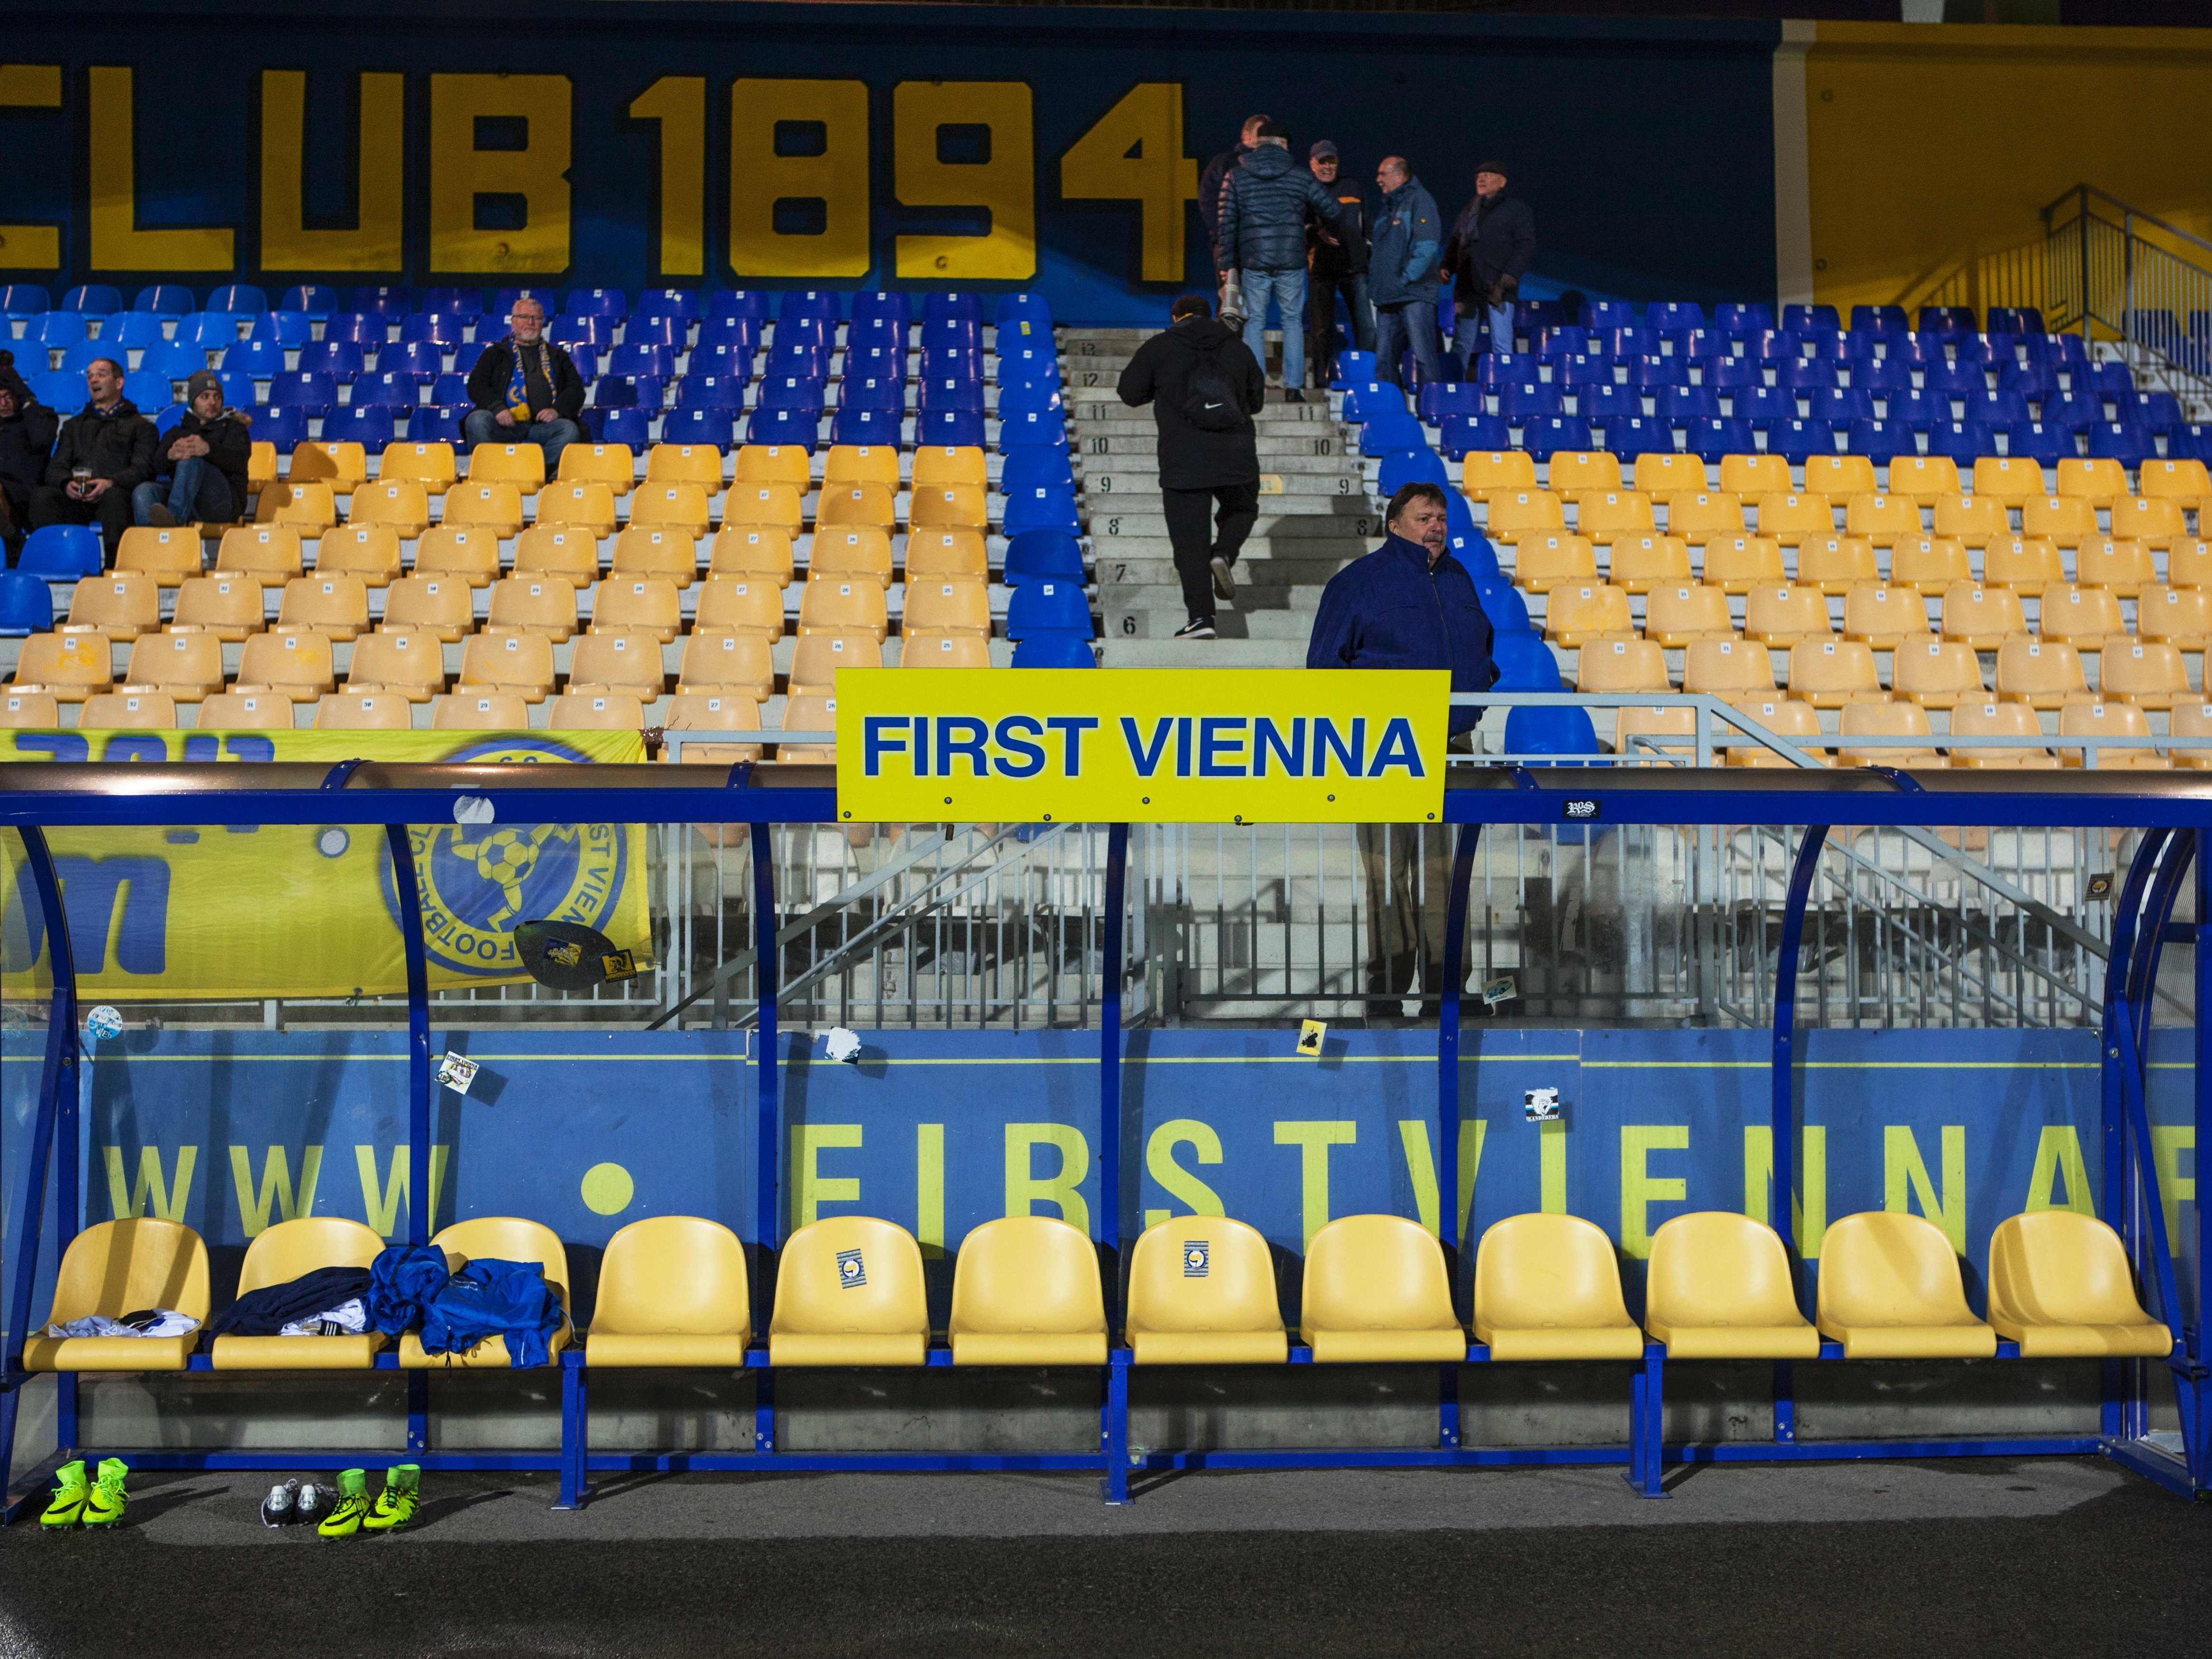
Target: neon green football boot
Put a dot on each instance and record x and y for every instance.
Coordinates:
(105, 1503)
(395, 1505)
(345, 1520)
(67, 1507)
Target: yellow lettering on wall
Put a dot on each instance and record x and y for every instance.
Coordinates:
(255, 1199)
(1552, 1167)
(679, 104)
(2058, 1157)
(169, 1196)
(1025, 1189)
(375, 242)
(1639, 1188)
(1905, 1181)
(812, 1188)
(1312, 1138)
(2169, 1141)
(1178, 1182)
(929, 1188)
(30, 86)
(381, 1200)
(1004, 184)
(1134, 154)
(537, 173)
(830, 176)
(1808, 1205)
(118, 244)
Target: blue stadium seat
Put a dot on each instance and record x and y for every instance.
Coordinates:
(2015, 319)
(802, 305)
(682, 302)
(1773, 346)
(394, 391)
(1563, 731)
(1549, 434)
(174, 360)
(1684, 403)
(1796, 442)
(1388, 433)
(2157, 411)
(880, 310)
(1607, 314)
(631, 426)
(421, 358)
(1038, 463)
(1463, 433)
(1727, 374)
(1804, 374)
(2123, 442)
(878, 391)
(1568, 340)
(213, 330)
(1054, 650)
(1862, 345)
(1621, 343)
(1631, 435)
(642, 360)
(793, 392)
(951, 334)
(1441, 399)
(57, 388)
(372, 425)
(85, 353)
(811, 333)
(1839, 405)
(658, 330)
(1880, 438)
(147, 389)
(945, 305)
(1603, 402)
(721, 392)
(596, 303)
(315, 391)
(1956, 379)
(27, 606)
(1501, 603)
(951, 363)
(1351, 368)
(2039, 441)
(1761, 406)
(1576, 372)
(129, 329)
(1040, 506)
(2076, 410)
(950, 392)
(785, 426)
(441, 423)
(1802, 316)
(1363, 401)
(2032, 380)
(735, 360)
(452, 387)
(2063, 350)
(24, 299)
(1997, 410)
(1880, 318)
(355, 328)
(1711, 439)
(1527, 402)
(1917, 409)
(748, 304)
(238, 390)
(956, 428)
(881, 333)
(1021, 307)
(446, 328)
(1029, 366)
(884, 426)
(1498, 368)
(2112, 380)
(2191, 443)
(704, 425)
(1027, 399)
(1043, 556)
(1881, 375)
(451, 301)
(311, 298)
(1047, 427)
(239, 299)
(61, 552)
(1674, 313)
(573, 331)
(1963, 441)
(1735, 315)
(1411, 466)
(1650, 373)
(289, 329)
(1525, 662)
(389, 302)
(1465, 541)
(93, 300)
(166, 419)
(281, 425)
(805, 362)
(1946, 319)
(1048, 605)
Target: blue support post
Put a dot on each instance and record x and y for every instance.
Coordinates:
(1114, 1430)
(2200, 1461)
(767, 963)
(575, 1432)
(1115, 1438)
(1782, 1106)
(421, 1127)
(1448, 1035)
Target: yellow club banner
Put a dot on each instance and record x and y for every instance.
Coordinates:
(186, 912)
(1142, 745)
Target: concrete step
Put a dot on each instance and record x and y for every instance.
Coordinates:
(1330, 551)
(1357, 522)
(1166, 652)
(1312, 498)
(1158, 613)
(1279, 452)
(1276, 578)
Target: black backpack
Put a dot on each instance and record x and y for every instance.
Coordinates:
(1210, 402)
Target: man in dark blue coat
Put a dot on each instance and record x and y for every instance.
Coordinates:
(1407, 604)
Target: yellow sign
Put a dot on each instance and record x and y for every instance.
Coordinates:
(187, 911)
(1142, 745)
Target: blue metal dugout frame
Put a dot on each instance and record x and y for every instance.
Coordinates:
(2172, 809)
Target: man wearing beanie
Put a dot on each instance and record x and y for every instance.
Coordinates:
(200, 467)
(104, 452)
(1492, 244)
(27, 438)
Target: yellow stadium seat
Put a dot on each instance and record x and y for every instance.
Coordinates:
(1482, 472)
(614, 465)
(2125, 567)
(731, 603)
(1923, 480)
(829, 606)
(727, 661)
(430, 465)
(1376, 1292)
(2191, 726)
(775, 506)
(444, 604)
(121, 606)
(343, 467)
(494, 505)
(29, 711)
(626, 660)
(337, 606)
(1701, 515)
(1983, 618)
(2101, 482)
(2188, 562)
(2040, 673)
(692, 464)
(269, 553)
(848, 1291)
(962, 607)
(950, 506)
(649, 603)
(260, 465)
(1836, 564)
(596, 711)
(245, 711)
(295, 664)
(306, 508)
(1829, 673)
(2060, 1286)
(1605, 515)
(1729, 668)
(1719, 1286)
(2147, 672)
(1973, 520)
(2026, 564)
(586, 505)
(350, 710)
(496, 1238)
(932, 554)
(400, 505)
(1937, 673)
(2180, 616)
(943, 465)
(817, 656)
(768, 464)
(923, 647)
(1890, 1289)
(1541, 563)
(133, 710)
(410, 661)
(865, 504)
(168, 555)
(1548, 1287)
(1663, 477)
(186, 666)
(760, 552)
(1755, 475)
(1882, 519)
(1999, 719)
(1791, 518)
(675, 507)
(1640, 563)
(533, 604)
(1839, 477)
(1784, 718)
(865, 464)
(560, 553)
(522, 465)
(2151, 520)
(479, 711)
(229, 607)
(1517, 513)
(1575, 617)
(1736, 564)
(1885, 720)
(713, 711)
(1574, 472)
(70, 666)
(290, 1250)
(1884, 616)
(671, 554)
(673, 1293)
(2068, 520)
(367, 552)
(1026, 1291)
(1630, 724)
(1673, 615)
(2187, 484)
(2012, 481)
(2085, 617)
(2108, 719)
(1619, 665)
(116, 1267)
(1202, 1292)
(472, 556)
(1785, 614)
(845, 553)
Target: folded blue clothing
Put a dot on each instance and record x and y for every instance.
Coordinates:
(410, 1288)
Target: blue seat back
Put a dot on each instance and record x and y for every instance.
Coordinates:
(1054, 650)
(958, 428)
(1040, 506)
(1048, 605)
(373, 426)
(706, 424)
(61, 552)
(1027, 468)
(632, 425)
(1550, 731)
(682, 302)
(1525, 662)
(26, 605)
(27, 300)
(93, 300)
(1041, 428)
(883, 426)
(312, 298)
(785, 426)
(1043, 556)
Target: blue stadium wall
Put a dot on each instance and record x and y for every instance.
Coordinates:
(596, 145)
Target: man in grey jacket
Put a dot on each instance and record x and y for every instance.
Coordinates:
(1262, 228)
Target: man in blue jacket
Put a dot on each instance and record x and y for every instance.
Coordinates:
(1401, 271)
(1407, 604)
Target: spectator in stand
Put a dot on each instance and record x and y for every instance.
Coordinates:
(27, 438)
(104, 452)
(1494, 243)
(1401, 272)
(1263, 235)
(526, 390)
(1205, 385)
(200, 466)
(1407, 604)
(1209, 184)
(1336, 263)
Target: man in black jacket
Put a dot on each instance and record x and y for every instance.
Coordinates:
(1264, 206)
(1336, 263)
(1492, 245)
(1211, 181)
(200, 464)
(526, 390)
(112, 444)
(1205, 385)
(27, 438)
